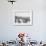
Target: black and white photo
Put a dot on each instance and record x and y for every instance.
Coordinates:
(23, 18)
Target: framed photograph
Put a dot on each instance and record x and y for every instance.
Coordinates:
(23, 18)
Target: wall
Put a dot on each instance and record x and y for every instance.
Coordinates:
(37, 30)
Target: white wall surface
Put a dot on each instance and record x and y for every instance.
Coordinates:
(37, 30)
